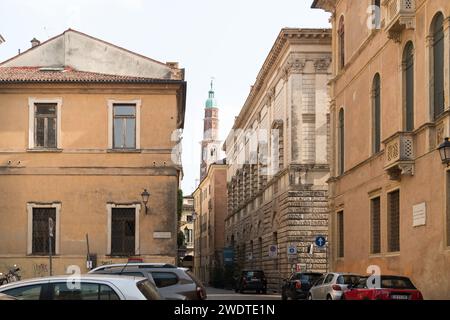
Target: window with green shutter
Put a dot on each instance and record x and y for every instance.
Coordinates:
(438, 65)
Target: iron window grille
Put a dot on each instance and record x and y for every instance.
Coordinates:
(41, 230)
(123, 231)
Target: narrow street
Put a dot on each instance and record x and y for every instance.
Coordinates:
(222, 294)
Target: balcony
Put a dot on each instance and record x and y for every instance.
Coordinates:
(399, 155)
(400, 15)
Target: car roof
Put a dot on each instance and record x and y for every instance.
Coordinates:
(91, 277)
(138, 265)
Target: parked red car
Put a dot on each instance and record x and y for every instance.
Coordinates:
(388, 288)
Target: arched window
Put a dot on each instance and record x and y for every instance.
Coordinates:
(437, 31)
(376, 102)
(408, 81)
(341, 37)
(341, 145)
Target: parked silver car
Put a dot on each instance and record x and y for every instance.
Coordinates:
(332, 286)
(173, 283)
(84, 287)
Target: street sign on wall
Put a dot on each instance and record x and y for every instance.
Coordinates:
(320, 241)
(292, 249)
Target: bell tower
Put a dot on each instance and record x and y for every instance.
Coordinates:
(210, 143)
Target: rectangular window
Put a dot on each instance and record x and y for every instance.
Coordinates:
(340, 234)
(45, 125)
(394, 221)
(375, 225)
(123, 231)
(124, 126)
(40, 240)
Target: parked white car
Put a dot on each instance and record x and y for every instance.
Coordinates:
(84, 287)
(332, 286)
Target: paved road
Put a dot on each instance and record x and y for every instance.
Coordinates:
(221, 294)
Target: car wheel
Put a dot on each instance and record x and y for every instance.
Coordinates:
(329, 297)
(283, 296)
(264, 291)
(310, 296)
(236, 290)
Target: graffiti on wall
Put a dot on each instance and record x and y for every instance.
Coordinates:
(40, 269)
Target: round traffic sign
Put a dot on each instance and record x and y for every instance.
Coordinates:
(320, 241)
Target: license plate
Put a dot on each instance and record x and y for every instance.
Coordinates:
(399, 297)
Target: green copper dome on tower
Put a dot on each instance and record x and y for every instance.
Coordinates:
(211, 102)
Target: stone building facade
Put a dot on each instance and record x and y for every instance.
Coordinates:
(389, 191)
(187, 225)
(85, 128)
(277, 157)
(210, 203)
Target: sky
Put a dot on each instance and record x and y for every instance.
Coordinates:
(227, 40)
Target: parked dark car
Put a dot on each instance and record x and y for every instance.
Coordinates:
(298, 284)
(254, 280)
(388, 288)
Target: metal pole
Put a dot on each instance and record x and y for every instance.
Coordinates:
(50, 236)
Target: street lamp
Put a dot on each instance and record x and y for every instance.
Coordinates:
(444, 151)
(145, 195)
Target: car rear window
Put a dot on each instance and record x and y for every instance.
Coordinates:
(164, 279)
(148, 290)
(254, 274)
(396, 283)
(348, 279)
(194, 278)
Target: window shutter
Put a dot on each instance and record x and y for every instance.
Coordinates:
(394, 221)
(438, 70)
(376, 225)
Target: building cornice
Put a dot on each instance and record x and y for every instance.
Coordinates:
(327, 5)
(286, 36)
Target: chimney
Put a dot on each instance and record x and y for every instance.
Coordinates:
(35, 42)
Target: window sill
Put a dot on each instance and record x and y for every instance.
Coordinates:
(43, 255)
(118, 256)
(45, 150)
(124, 151)
(392, 254)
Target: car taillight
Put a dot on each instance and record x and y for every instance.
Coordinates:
(337, 287)
(298, 284)
(201, 293)
(419, 295)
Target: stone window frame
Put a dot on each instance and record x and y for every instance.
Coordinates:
(409, 47)
(109, 207)
(111, 103)
(431, 49)
(341, 142)
(53, 205)
(341, 43)
(31, 127)
(371, 199)
(340, 234)
(376, 96)
(388, 222)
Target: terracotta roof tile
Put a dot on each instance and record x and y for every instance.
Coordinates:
(67, 74)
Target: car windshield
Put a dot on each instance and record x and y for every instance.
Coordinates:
(254, 274)
(348, 279)
(309, 277)
(148, 290)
